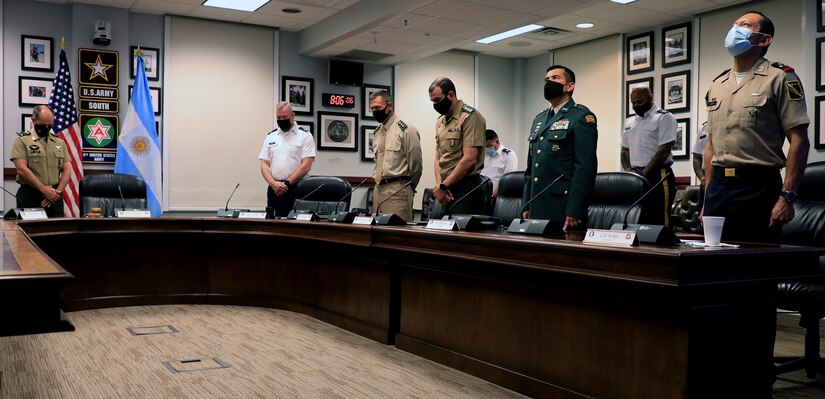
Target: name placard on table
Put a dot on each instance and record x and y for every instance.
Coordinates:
(252, 215)
(365, 220)
(33, 214)
(616, 238)
(441, 224)
(133, 213)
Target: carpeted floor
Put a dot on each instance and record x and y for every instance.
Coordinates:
(270, 354)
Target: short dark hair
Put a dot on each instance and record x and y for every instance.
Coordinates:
(765, 26)
(385, 96)
(569, 76)
(491, 134)
(445, 84)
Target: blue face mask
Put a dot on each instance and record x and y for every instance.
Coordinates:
(738, 40)
(491, 151)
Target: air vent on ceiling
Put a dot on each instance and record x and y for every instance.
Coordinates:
(551, 31)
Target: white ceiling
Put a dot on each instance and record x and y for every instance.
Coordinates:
(406, 30)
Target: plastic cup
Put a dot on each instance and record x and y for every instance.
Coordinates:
(713, 229)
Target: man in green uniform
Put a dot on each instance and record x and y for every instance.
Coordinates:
(562, 143)
(752, 109)
(459, 153)
(43, 165)
(397, 150)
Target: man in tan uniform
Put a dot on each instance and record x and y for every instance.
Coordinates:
(43, 165)
(752, 109)
(459, 156)
(397, 150)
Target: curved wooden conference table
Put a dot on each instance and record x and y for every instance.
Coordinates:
(546, 317)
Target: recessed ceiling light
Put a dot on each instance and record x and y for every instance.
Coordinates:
(291, 10)
(585, 25)
(622, 1)
(240, 5)
(509, 33)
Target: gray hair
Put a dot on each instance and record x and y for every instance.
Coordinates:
(38, 110)
(282, 105)
(385, 96)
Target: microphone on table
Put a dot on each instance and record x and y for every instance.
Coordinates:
(468, 222)
(389, 219)
(293, 214)
(14, 213)
(123, 200)
(648, 233)
(535, 226)
(344, 216)
(225, 212)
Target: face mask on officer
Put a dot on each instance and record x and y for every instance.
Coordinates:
(738, 40)
(380, 115)
(491, 151)
(284, 124)
(443, 106)
(42, 130)
(641, 109)
(552, 90)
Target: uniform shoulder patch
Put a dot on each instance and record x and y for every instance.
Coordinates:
(301, 129)
(468, 109)
(505, 150)
(402, 125)
(582, 107)
(590, 118)
(782, 66)
(23, 134)
(663, 111)
(721, 74)
(794, 88)
(543, 111)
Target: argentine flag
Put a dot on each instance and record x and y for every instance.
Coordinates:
(138, 152)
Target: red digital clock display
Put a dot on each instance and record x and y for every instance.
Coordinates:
(338, 100)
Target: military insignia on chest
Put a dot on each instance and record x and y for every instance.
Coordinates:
(555, 148)
(34, 148)
(560, 125)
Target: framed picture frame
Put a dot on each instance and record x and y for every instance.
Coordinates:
(366, 91)
(298, 93)
(26, 122)
(37, 53)
(681, 148)
(819, 113)
(820, 73)
(337, 131)
(820, 16)
(34, 91)
(676, 92)
(151, 62)
(676, 46)
(308, 126)
(632, 84)
(367, 139)
(157, 98)
(639, 53)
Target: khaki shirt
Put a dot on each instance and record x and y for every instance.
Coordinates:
(397, 150)
(463, 128)
(45, 156)
(748, 123)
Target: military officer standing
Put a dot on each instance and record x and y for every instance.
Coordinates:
(562, 143)
(752, 109)
(397, 149)
(498, 160)
(43, 165)
(459, 155)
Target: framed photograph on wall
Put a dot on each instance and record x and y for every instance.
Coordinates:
(151, 62)
(366, 92)
(155, 92)
(26, 122)
(367, 139)
(681, 148)
(819, 113)
(820, 16)
(640, 53)
(676, 92)
(298, 92)
(337, 131)
(820, 73)
(308, 126)
(37, 54)
(34, 91)
(632, 84)
(676, 45)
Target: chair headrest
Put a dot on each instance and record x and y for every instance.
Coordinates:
(511, 184)
(106, 185)
(810, 187)
(617, 188)
(334, 188)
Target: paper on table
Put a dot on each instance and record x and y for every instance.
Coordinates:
(702, 244)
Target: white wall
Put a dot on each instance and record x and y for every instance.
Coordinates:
(500, 97)
(412, 79)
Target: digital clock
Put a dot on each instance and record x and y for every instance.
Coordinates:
(338, 100)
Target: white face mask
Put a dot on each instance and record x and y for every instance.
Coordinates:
(738, 40)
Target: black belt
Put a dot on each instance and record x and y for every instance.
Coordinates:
(744, 171)
(393, 180)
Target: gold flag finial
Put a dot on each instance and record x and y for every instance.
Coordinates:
(138, 53)
(63, 45)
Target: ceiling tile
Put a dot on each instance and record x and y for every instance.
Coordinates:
(220, 14)
(440, 7)
(407, 20)
(415, 37)
(109, 3)
(272, 20)
(388, 47)
(480, 14)
(665, 5)
(446, 27)
(380, 32)
(163, 7)
(275, 7)
(524, 6)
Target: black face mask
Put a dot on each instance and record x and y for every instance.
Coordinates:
(380, 114)
(284, 124)
(42, 130)
(641, 109)
(443, 106)
(552, 90)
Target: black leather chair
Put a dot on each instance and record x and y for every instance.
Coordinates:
(438, 210)
(427, 200)
(100, 190)
(688, 210)
(327, 199)
(806, 296)
(510, 192)
(613, 193)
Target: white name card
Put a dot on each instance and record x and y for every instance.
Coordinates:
(133, 213)
(252, 215)
(33, 214)
(440, 224)
(366, 220)
(307, 217)
(618, 238)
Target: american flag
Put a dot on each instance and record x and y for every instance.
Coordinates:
(61, 102)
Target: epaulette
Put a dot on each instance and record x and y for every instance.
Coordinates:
(505, 150)
(545, 110)
(24, 134)
(300, 128)
(663, 111)
(721, 74)
(782, 66)
(402, 125)
(468, 109)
